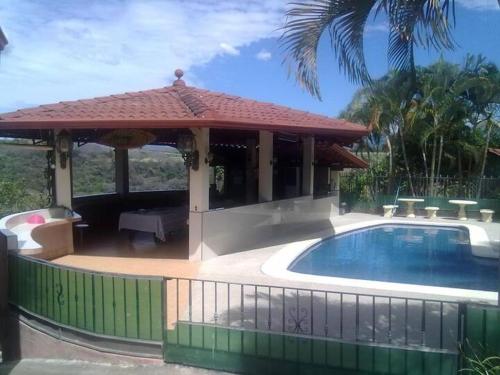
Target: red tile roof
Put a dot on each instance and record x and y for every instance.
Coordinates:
(176, 106)
(335, 154)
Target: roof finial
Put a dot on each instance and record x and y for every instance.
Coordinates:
(179, 82)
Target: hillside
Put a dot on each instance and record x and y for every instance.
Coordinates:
(23, 182)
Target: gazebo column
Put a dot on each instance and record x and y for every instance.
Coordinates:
(251, 165)
(308, 165)
(199, 185)
(265, 166)
(334, 180)
(121, 172)
(62, 175)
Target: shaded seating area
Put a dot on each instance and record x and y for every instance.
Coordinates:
(106, 235)
(251, 168)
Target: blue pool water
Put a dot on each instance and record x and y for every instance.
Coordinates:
(411, 254)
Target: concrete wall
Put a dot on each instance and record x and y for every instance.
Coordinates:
(49, 240)
(243, 228)
(28, 340)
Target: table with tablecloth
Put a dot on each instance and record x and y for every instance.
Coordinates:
(159, 221)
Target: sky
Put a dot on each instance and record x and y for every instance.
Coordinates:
(76, 49)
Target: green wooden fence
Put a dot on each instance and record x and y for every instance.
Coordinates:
(482, 330)
(260, 353)
(115, 305)
(133, 308)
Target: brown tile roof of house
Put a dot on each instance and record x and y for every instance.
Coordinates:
(176, 106)
(335, 154)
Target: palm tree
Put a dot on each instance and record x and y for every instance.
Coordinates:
(385, 107)
(412, 23)
(483, 95)
(439, 108)
(450, 115)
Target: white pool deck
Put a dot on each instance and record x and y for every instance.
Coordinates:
(267, 265)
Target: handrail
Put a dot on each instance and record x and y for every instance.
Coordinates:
(393, 211)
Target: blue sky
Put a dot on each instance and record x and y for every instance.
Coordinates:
(74, 49)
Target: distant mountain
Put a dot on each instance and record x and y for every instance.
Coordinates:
(23, 182)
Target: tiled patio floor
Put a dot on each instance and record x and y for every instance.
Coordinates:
(141, 255)
(145, 257)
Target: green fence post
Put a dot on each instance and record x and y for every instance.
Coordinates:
(462, 334)
(4, 279)
(497, 247)
(163, 318)
(8, 241)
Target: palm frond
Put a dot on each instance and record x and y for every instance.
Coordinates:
(426, 23)
(423, 23)
(343, 20)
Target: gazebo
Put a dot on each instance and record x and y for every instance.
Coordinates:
(282, 165)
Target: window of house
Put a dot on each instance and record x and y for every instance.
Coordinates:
(23, 179)
(93, 170)
(156, 168)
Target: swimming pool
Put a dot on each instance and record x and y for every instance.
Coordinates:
(408, 254)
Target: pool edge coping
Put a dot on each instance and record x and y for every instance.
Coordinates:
(277, 266)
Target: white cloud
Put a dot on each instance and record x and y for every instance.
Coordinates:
(83, 48)
(377, 27)
(229, 49)
(480, 4)
(264, 55)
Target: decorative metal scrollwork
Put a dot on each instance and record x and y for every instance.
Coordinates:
(298, 320)
(59, 294)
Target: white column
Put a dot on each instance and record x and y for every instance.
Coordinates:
(308, 165)
(121, 172)
(265, 166)
(334, 189)
(62, 177)
(250, 167)
(334, 180)
(199, 185)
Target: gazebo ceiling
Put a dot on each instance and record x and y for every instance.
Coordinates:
(175, 107)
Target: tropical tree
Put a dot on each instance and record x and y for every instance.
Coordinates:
(388, 103)
(439, 108)
(482, 93)
(436, 124)
(412, 23)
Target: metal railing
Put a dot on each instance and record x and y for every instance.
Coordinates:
(182, 311)
(444, 186)
(105, 304)
(389, 321)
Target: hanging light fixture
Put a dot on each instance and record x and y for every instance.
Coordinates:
(123, 139)
(64, 145)
(187, 147)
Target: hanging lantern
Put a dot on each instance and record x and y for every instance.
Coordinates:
(127, 138)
